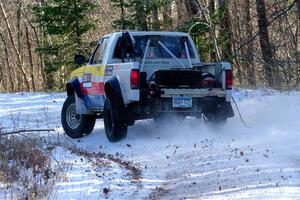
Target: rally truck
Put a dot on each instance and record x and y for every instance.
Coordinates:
(144, 75)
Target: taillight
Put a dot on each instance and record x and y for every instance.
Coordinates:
(229, 79)
(135, 79)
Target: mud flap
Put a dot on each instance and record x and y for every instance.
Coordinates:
(116, 98)
(225, 110)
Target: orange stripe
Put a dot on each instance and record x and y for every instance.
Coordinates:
(97, 88)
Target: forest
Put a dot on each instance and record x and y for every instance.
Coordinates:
(39, 38)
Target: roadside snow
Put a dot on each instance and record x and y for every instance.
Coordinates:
(174, 161)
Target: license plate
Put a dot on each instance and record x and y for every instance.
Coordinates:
(182, 102)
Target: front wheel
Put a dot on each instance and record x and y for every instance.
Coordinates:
(75, 125)
(115, 129)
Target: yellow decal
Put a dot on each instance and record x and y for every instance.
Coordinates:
(77, 72)
(94, 70)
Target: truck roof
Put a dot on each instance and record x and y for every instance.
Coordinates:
(150, 33)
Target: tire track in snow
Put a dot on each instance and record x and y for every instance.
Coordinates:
(215, 177)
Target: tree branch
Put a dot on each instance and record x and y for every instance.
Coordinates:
(26, 131)
(269, 23)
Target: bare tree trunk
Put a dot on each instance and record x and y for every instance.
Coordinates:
(237, 38)
(226, 29)
(210, 24)
(265, 42)
(30, 59)
(19, 59)
(298, 9)
(181, 10)
(19, 46)
(155, 20)
(211, 8)
(140, 10)
(167, 13)
(3, 85)
(8, 70)
(249, 49)
(297, 46)
(40, 69)
(192, 7)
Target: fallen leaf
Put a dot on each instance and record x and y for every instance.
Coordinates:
(265, 155)
(106, 191)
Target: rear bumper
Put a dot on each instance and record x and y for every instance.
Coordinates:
(194, 92)
(199, 105)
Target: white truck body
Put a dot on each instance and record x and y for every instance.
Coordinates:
(148, 73)
(122, 70)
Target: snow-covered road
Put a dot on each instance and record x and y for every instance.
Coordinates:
(174, 161)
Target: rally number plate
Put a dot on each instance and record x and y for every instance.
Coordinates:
(182, 102)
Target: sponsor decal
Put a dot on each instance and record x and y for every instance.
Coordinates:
(109, 70)
(116, 67)
(87, 80)
(95, 89)
(87, 77)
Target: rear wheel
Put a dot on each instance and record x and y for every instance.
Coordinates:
(115, 129)
(74, 124)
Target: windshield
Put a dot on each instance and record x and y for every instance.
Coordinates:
(175, 44)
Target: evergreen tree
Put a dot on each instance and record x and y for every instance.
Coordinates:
(63, 23)
(139, 14)
(133, 14)
(123, 22)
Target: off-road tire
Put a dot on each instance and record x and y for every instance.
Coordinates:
(115, 129)
(75, 125)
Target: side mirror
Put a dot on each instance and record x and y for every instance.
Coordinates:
(79, 59)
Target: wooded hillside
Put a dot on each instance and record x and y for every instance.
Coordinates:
(39, 38)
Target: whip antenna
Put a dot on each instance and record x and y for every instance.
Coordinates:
(106, 14)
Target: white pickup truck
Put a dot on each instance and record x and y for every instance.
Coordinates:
(143, 75)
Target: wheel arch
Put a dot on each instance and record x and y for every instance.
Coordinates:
(73, 86)
(108, 89)
(70, 90)
(112, 90)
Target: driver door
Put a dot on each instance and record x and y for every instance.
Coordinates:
(93, 78)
